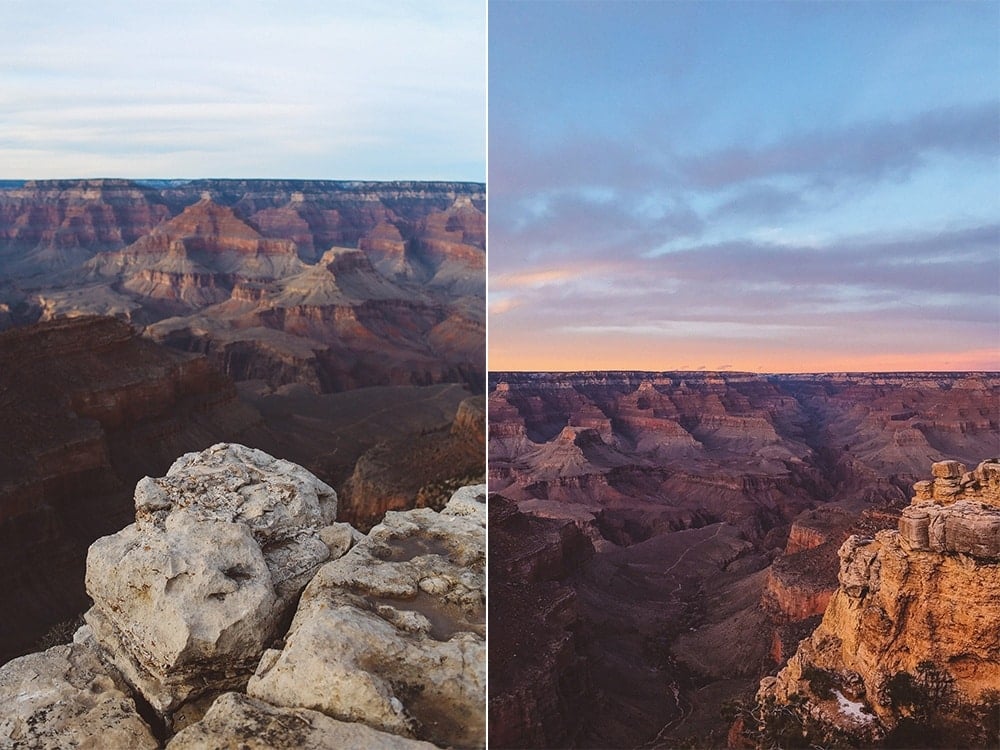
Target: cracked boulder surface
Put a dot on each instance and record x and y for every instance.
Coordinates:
(66, 697)
(188, 597)
(235, 720)
(392, 634)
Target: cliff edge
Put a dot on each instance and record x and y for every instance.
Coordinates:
(908, 651)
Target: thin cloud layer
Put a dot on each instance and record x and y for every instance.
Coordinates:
(393, 90)
(668, 225)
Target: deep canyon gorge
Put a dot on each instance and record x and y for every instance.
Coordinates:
(662, 541)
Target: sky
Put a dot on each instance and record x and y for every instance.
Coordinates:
(318, 89)
(771, 187)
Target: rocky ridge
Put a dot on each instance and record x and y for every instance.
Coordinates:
(273, 280)
(188, 598)
(908, 646)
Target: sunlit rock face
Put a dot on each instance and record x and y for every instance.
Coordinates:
(910, 636)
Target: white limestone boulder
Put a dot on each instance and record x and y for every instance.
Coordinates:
(393, 633)
(187, 598)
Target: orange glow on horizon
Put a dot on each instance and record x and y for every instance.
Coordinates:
(568, 356)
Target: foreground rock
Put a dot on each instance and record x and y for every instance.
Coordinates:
(237, 721)
(188, 597)
(65, 697)
(393, 633)
(908, 650)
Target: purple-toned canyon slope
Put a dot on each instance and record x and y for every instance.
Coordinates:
(334, 285)
(710, 507)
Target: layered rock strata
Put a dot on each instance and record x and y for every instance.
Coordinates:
(273, 280)
(716, 503)
(909, 643)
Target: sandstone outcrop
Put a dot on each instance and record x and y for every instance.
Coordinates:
(909, 642)
(188, 597)
(393, 633)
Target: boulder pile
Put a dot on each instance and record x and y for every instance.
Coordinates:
(235, 607)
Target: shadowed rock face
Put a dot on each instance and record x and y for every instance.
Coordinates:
(88, 407)
(263, 276)
(690, 485)
(538, 672)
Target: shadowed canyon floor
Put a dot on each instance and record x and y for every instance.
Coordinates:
(711, 507)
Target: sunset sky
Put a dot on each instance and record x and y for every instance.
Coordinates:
(777, 187)
(387, 89)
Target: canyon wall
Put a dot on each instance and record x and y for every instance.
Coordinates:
(280, 280)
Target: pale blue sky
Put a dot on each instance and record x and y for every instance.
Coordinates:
(297, 89)
(800, 186)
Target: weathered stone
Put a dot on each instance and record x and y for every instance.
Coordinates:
(188, 597)
(235, 720)
(66, 697)
(913, 527)
(339, 537)
(946, 489)
(859, 567)
(924, 489)
(947, 470)
(392, 633)
(969, 528)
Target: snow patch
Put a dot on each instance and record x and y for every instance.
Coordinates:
(853, 710)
